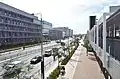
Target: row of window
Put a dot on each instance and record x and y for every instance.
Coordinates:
(113, 31)
(17, 40)
(25, 29)
(18, 34)
(17, 22)
(14, 15)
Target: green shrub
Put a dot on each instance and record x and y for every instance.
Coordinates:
(65, 61)
(56, 72)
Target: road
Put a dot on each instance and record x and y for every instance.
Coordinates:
(26, 55)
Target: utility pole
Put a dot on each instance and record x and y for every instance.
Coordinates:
(42, 62)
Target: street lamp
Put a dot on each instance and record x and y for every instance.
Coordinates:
(42, 62)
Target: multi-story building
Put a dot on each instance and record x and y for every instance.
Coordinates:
(104, 37)
(67, 32)
(17, 26)
(70, 32)
(46, 27)
(55, 34)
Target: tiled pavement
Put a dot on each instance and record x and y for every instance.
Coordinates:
(83, 67)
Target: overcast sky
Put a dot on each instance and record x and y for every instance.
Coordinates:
(65, 13)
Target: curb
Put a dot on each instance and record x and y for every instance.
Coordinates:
(73, 65)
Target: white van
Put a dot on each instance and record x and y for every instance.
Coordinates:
(48, 53)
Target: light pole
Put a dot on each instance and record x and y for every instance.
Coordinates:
(42, 62)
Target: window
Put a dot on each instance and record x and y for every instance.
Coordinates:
(2, 33)
(117, 33)
(1, 19)
(10, 34)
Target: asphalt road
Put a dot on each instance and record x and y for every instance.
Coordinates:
(27, 54)
(20, 53)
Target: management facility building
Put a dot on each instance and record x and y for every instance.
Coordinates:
(17, 26)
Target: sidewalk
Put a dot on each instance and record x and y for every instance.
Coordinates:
(83, 67)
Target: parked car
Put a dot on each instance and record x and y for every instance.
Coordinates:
(48, 53)
(36, 60)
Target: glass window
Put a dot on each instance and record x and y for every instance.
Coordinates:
(3, 35)
(1, 19)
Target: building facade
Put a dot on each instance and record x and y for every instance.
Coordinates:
(17, 26)
(46, 27)
(70, 32)
(55, 34)
(67, 32)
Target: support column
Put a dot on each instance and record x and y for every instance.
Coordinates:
(97, 26)
(104, 38)
(95, 36)
(94, 32)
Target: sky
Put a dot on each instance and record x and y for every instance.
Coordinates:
(65, 13)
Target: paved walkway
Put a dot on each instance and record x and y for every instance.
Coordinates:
(83, 67)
